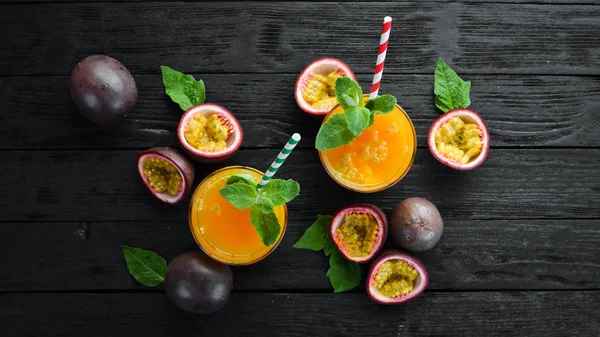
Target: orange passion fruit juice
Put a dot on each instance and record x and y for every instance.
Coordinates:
(221, 230)
(378, 158)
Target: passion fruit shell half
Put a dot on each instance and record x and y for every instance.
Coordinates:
(459, 139)
(209, 133)
(315, 87)
(166, 172)
(396, 278)
(359, 231)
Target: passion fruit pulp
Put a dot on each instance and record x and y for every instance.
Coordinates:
(359, 231)
(459, 139)
(396, 278)
(315, 87)
(416, 225)
(197, 283)
(209, 133)
(166, 172)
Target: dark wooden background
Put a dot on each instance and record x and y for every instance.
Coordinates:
(520, 255)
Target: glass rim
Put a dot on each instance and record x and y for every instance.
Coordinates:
(191, 207)
(357, 187)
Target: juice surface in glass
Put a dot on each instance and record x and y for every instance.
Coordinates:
(378, 158)
(221, 230)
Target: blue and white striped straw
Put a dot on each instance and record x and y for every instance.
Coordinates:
(281, 157)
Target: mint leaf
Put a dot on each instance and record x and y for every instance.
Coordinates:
(266, 225)
(316, 237)
(334, 133)
(348, 93)
(343, 275)
(183, 89)
(382, 104)
(265, 204)
(281, 191)
(147, 267)
(451, 92)
(241, 178)
(358, 119)
(240, 195)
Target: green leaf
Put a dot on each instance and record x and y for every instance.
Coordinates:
(358, 119)
(183, 89)
(266, 225)
(348, 93)
(344, 275)
(147, 267)
(316, 237)
(241, 178)
(240, 195)
(451, 92)
(265, 204)
(381, 105)
(334, 133)
(281, 191)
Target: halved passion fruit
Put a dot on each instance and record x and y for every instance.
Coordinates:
(315, 87)
(166, 172)
(459, 139)
(396, 278)
(359, 231)
(209, 133)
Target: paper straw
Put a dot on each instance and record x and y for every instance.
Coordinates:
(383, 44)
(281, 157)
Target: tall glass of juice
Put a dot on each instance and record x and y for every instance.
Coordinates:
(222, 231)
(377, 159)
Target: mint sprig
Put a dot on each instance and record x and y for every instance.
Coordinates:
(343, 275)
(341, 129)
(451, 92)
(242, 192)
(147, 267)
(183, 89)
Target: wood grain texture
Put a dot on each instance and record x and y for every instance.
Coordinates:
(104, 186)
(531, 111)
(49, 39)
(569, 2)
(472, 255)
(570, 313)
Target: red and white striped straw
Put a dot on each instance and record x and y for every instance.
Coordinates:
(383, 44)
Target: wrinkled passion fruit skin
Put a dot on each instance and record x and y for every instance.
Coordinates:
(382, 222)
(419, 285)
(102, 89)
(197, 283)
(416, 225)
(176, 158)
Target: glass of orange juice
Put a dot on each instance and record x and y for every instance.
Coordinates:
(222, 231)
(378, 158)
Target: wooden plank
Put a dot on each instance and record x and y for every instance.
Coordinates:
(504, 314)
(105, 186)
(472, 255)
(520, 110)
(266, 37)
(570, 2)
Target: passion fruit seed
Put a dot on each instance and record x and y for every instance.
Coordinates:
(162, 175)
(358, 233)
(320, 90)
(207, 134)
(458, 140)
(395, 278)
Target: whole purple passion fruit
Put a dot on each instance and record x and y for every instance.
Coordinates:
(197, 283)
(103, 89)
(359, 231)
(166, 172)
(416, 224)
(396, 278)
